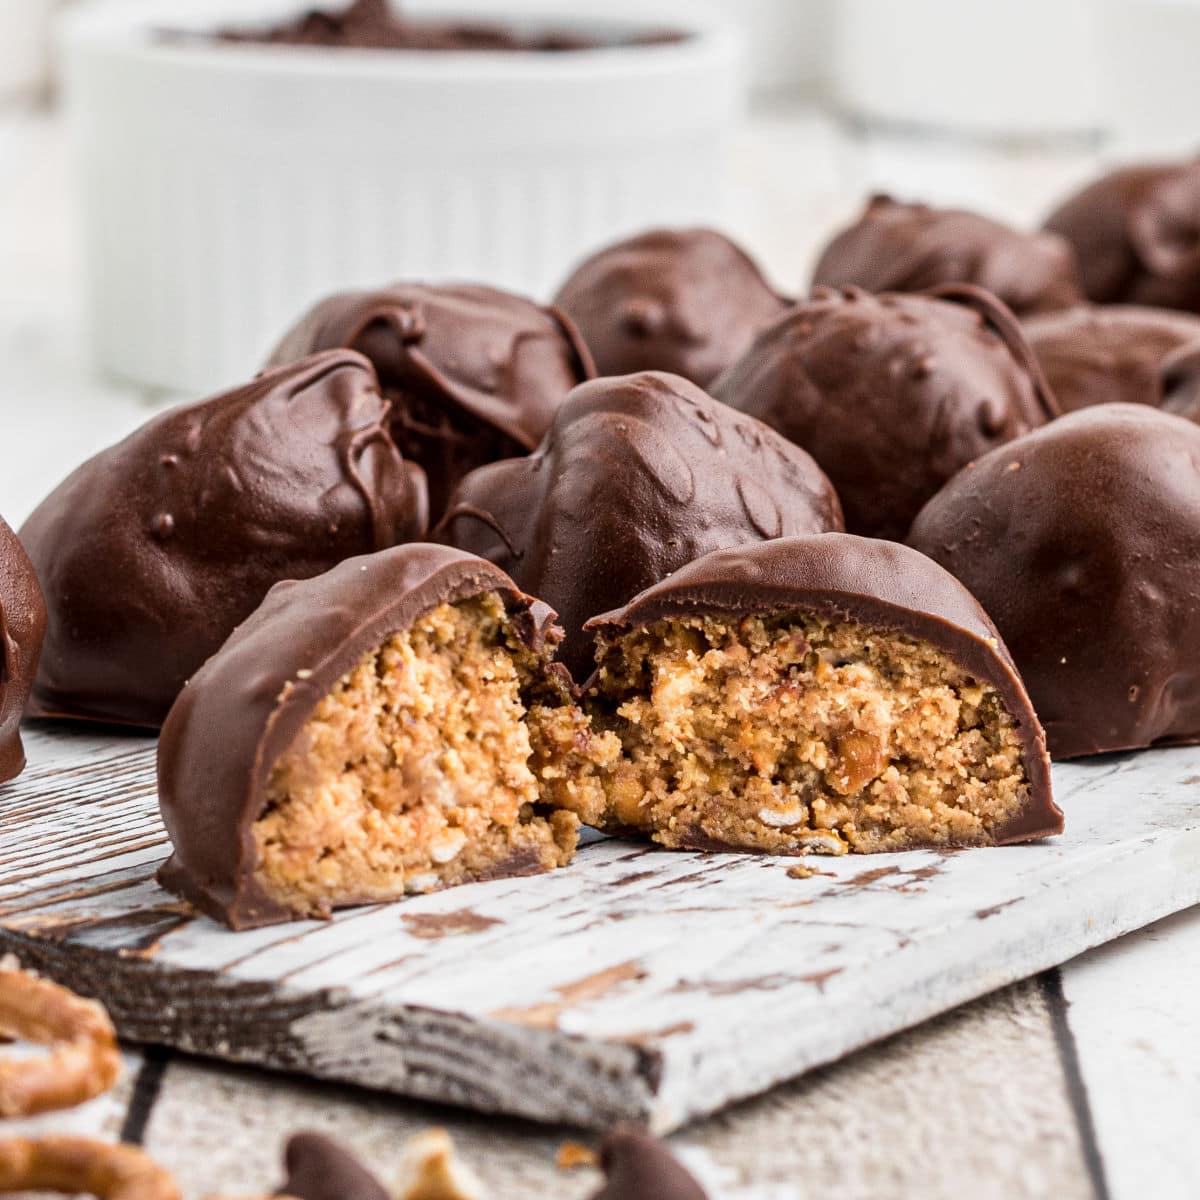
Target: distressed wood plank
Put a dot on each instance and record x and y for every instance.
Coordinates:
(638, 984)
(982, 1085)
(1133, 1016)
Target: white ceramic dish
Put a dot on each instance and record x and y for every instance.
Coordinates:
(1151, 92)
(226, 187)
(789, 42)
(1025, 69)
(24, 46)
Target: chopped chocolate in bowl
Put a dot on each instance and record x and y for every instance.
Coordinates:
(294, 157)
(378, 25)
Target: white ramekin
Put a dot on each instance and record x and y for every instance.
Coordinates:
(24, 46)
(226, 187)
(1149, 64)
(1022, 69)
(788, 42)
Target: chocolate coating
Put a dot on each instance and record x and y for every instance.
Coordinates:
(1101, 355)
(639, 1167)
(687, 301)
(891, 394)
(318, 1168)
(1082, 541)
(1179, 382)
(22, 628)
(151, 552)
(1136, 232)
(639, 475)
(875, 583)
(474, 374)
(895, 247)
(244, 707)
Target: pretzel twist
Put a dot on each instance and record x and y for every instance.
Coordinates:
(84, 1060)
(73, 1166)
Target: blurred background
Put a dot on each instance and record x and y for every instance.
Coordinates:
(166, 209)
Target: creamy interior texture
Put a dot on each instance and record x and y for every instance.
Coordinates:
(786, 733)
(413, 773)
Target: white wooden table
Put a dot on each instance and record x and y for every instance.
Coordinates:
(1084, 1083)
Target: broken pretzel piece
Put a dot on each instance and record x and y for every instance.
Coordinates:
(431, 1170)
(72, 1166)
(84, 1061)
(572, 1155)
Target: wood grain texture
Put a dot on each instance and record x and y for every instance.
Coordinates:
(638, 984)
(971, 1104)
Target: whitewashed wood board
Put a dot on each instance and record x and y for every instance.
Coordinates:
(636, 984)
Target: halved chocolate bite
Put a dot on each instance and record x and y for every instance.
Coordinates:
(639, 475)
(897, 247)
(688, 301)
(1104, 355)
(22, 628)
(1136, 231)
(812, 694)
(152, 551)
(1082, 541)
(473, 374)
(891, 394)
(363, 736)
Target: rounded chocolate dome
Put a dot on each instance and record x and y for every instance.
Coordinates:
(891, 394)
(1082, 542)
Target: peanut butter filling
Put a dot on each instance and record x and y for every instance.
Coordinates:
(413, 773)
(786, 734)
(442, 758)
